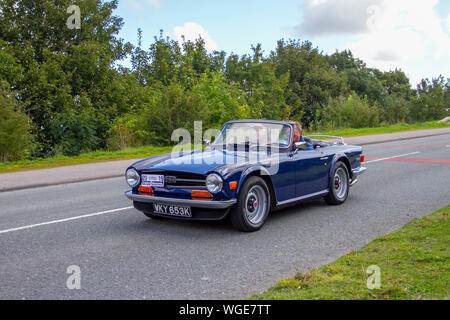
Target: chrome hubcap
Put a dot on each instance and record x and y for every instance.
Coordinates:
(256, 204)
(340, 183)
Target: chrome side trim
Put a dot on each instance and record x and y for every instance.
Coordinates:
(181, 202)
(311, 195)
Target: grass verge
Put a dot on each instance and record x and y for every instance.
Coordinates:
(99, 156)
(385, 129)
(414, 263)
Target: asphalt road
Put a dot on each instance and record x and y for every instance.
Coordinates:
(124, 255)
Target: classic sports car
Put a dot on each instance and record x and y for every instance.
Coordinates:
(252, 168)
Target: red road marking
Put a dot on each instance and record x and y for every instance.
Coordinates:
(421, 160)
(445, 138)
(413, 160)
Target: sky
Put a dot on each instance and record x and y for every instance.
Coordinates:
(413, 35)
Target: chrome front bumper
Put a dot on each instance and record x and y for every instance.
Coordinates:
(211, 204)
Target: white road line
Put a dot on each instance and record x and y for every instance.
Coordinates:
(399, 156)
(64, 220)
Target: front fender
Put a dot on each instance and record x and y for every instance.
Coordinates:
(248, 172)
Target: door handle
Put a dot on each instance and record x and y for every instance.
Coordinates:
(324, 158)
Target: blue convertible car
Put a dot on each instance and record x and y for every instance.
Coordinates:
(252, 168)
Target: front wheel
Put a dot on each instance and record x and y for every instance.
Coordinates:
(253, 205)
(339, 185)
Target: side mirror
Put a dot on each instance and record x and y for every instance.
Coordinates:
(300, 145)
(207, 142)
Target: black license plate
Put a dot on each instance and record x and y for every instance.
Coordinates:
(178, 211)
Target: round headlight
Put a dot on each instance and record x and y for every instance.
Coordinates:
(133, 178)
(214, 183)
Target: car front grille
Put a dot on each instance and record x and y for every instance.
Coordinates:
(181, 180)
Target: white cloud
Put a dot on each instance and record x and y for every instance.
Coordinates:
(386, 55)
(448, 23)
(408, 34)
(192, 31)
(324, 17)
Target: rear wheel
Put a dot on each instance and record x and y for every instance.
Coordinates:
(339, 185)
(253, 205)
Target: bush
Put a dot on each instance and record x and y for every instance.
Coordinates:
(395, 110)
(351, 112)
(172, 108)
(75, 132)
(15, 137)
(128, 131)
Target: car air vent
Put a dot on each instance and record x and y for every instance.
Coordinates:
(181, 180)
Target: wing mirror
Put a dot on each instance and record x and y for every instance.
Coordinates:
(300, 145)
(207, 142)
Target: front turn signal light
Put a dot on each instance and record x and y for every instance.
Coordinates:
(233, 185)
(148, 190)
(199, 194)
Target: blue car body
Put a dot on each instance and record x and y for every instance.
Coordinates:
(300, 175)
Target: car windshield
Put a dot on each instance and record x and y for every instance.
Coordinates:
(255, 134)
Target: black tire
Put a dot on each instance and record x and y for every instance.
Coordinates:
(252, 191)
(153, 216)
(340, 178)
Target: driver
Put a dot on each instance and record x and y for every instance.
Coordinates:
(298, 134)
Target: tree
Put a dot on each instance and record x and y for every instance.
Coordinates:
(60, 65)
(139, 61)
(344, 60)
(265, 92)
(360, 79)
(432, 100)
(10, 67)
(164, 59)
(395, 83)
(312, 80)
(218, 101)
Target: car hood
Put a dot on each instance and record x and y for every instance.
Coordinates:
(194, 161)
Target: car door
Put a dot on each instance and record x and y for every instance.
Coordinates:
(284, 179)
(311, 171)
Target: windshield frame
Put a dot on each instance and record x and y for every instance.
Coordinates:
(262, 122)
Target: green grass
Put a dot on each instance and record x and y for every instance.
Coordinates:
(414, 263)
(97, 156)
(148, 151)
(385, 129)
